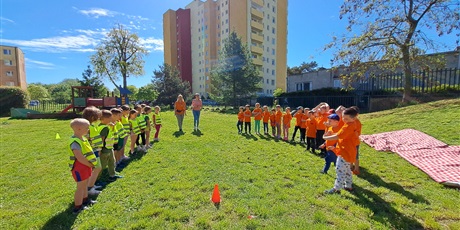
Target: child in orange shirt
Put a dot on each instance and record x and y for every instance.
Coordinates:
(265, 118)
(278, 116)
(346, 151)
(303, 125)
(329, 145)
(239, 124)
(273, 121)
(355, 166)
(311, 131)
(257, 113)
(287, 117)
(247, 120)
(298, 119)
(320, 127)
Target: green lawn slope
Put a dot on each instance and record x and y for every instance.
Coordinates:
(276, 182)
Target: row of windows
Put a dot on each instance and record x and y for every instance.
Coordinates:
(9, 73)
(8, 62)
(203, 86)
(6, 52)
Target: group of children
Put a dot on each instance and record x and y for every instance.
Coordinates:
(334, 132)
(99, 140)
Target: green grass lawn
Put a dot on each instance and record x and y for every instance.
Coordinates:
(277, 182)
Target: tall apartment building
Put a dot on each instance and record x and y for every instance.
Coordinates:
(262, 24)
(12, 67)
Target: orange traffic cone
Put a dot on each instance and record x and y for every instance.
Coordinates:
(216, 195)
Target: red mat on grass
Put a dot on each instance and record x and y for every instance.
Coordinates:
(440, 161)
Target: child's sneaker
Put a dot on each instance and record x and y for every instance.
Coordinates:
(93, 192)
(124, 158)
(332, 191)
(350, 189)
(78, 210)
(89, 202)
(98, 187)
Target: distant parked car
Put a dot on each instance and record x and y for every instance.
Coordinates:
(34, 103)
(209, 102)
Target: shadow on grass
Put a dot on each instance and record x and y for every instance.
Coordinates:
(178, 133)
(383, 212)
(62, 220)
(377, 181)
(250, 136)
(132, 157)
(197, 133)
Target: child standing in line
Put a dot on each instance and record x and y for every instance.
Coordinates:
(273, 121)
(239, 124)
(247, 120)
(265, 118)
(107, 132)
(329, 145)
(287, 117)
(278, 118)
(92, 114)
(141, 146)
(134, 130)
(125, 121)
(157, 122)
(298, 120)
(311, 131)
(81, 162)
(320, 127)
(119, 135)
(257, 113)
(355, 166)
(148, 124)
(345, 150)
(303, 125)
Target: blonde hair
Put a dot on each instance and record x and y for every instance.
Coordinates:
(77, 122)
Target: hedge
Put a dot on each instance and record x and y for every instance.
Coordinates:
(12, 97)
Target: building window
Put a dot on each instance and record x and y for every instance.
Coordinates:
(273, 51)
(337, 83)
(273, 82)
(9, 73)
(273, 72)
(8, 62)
(7, 52)
(226, 30)
(273, 61)
(199, 29)
(273, 19)
(304, 86)
(268, 49)
(273, 41)
(207, 78)
(226, 11)
(267, 70)
(273, 9)
(268, 91)
(10, 83)
(273, 30)
(268, 38)
(268, 81)
(207, 69)
(226, 21)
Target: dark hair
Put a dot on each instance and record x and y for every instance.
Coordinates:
(106, 113)
(350, 112)
(355, 108)
(91, 114)
(115, 111)
(125, 107)
(147, 108)
(132, 111)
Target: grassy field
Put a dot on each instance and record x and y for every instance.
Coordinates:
(277, 182)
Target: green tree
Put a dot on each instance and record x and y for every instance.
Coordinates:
(38, 92)
(119, 54)
(302, 68)
(62, 91)
(278, 92)
(147, 93)
(393, 31)
(133, 90)
(235, 75)
(168, 83)
(99, 89)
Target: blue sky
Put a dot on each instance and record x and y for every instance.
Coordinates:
(59, 36)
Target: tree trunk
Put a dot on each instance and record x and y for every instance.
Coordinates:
(407, 74)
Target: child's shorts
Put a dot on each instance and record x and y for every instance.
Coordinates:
(80, 172)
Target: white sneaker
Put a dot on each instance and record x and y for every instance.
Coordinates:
(124, 158)
(156, 139)
(97, 187)
(93, 192)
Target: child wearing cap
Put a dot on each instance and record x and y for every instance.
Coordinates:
(346, 151)
(329, 145)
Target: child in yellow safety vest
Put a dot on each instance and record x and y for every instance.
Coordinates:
(125, 121)
(148, 124)
(156, 118)
(92, 114)
(81, 161)
(134, 129)
(107, 132)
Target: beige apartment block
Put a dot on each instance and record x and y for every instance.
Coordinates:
(12, 67)
(262, 25)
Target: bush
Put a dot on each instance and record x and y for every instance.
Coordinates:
(12, 97)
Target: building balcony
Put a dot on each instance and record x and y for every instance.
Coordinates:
(257, 25)
(257, 37)
(257, 61)
(257, 50)
(257, 13)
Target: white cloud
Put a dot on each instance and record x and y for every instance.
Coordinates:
(97, 12)
(2, 19)
(154, 44)
(77, 43)
(39, 64)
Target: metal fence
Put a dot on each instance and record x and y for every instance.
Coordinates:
(48, 106)
(426, 81)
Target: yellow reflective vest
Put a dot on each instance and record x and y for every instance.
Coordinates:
(125, 122)
(95, 137)
(86, 150)
(157, 118)
(110, 139)
(141, 121)
(135, 126)
(121, 132)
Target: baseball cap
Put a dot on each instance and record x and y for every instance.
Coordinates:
(334, 117)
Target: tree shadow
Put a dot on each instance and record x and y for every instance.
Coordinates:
(62, 220)
(197, 133)
(377, 181)
(178, 133)
(383, 212)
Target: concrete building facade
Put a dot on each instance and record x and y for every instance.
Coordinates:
(260, 24)
(13, 68)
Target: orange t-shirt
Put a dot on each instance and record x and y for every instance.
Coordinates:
(240, 116)
(266, 116)
(303, 121)
(298, 118)
(247, 115)
(287, 117)
(278, 116)
(311, 127)
(320, 121)
(257, 114)
(180, 107)
(358, 130)
(334, 130)
(346, 145)
(272, 119)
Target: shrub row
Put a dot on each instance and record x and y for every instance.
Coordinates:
(12, 97)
